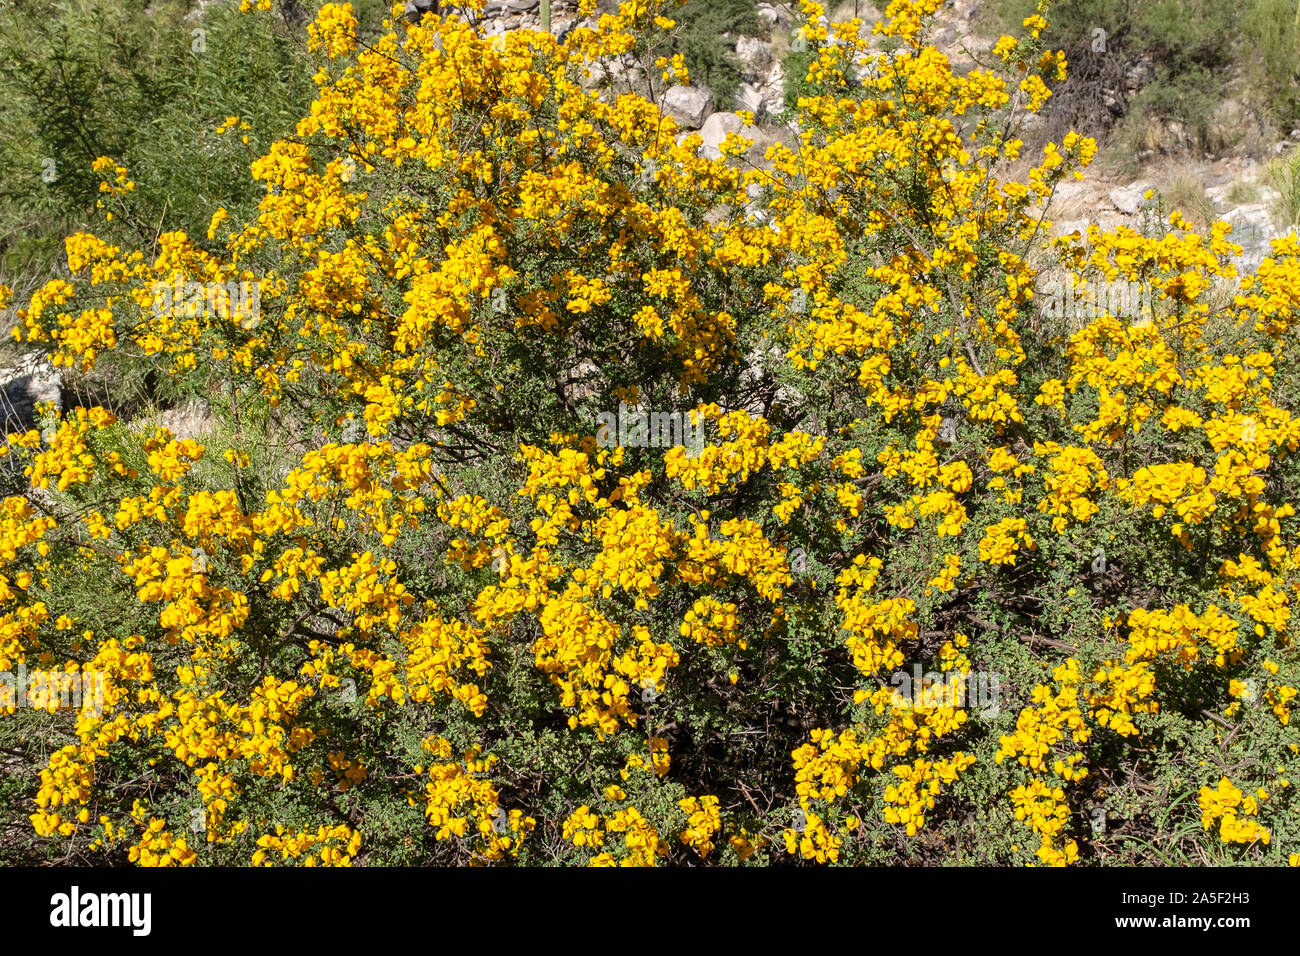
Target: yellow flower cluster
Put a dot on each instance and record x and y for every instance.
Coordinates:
(326, 846)
(1235, 812)
(1002, 540)
(704, 822)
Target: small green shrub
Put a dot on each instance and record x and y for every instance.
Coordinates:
(80, 80)
(706, 38)
(1273, 32)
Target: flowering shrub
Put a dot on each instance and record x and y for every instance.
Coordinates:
(401, 606)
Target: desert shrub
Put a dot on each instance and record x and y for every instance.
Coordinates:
(706, 40)
(1178, 51)
(940, 578)
(1272, 29)
(1284, 175)
(79, 80)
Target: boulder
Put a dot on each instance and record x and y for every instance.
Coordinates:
(774, 91)
(33, 379)
(719, 126)
(1252, 228)
(1128, 199)
(754, 56)
(415, 9)
(750, 99)
(771, 15)
(192, 418)
(1068, 226)
(715, 131)
(688, 105)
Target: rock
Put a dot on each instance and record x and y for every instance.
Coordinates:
(1071, 189)
(719, 126)
(715, 131)
(33, 379)
(1218, 195)
(593, 76)
(1252, 228)
(1068, 226)
(1139, 75)
(620, 74)
(191, 418)
(750, 99)
(770, 15)
(774, 92)
(1178, 133)
(1229, 120)
(865, 67)
(689, 105)
(754, 56)
(415, 9)
(580, 381)
(1128, 199)
(954, 32)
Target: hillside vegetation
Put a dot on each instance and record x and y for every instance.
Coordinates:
(569, 497)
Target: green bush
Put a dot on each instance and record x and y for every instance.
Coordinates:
(706, 39)
(1273, 40)
(1190, 44)
(80, 79)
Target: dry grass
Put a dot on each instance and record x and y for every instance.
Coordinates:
(1284, 176)
(1186, 193)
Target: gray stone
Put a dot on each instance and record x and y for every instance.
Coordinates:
(688, 105)
(1068, 226)
(1139, 75)
(775, 14)
(754, 56)
(774, 91)
(33, 379)
(1069, 189)
(415, 9)
(1217, 194)
(190, 419)
(1252, 228)
(593, 76)
(1128, 199)
(750, 99)
(715, 131)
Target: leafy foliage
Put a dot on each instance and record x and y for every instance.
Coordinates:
(81, 80)
(956, 574)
